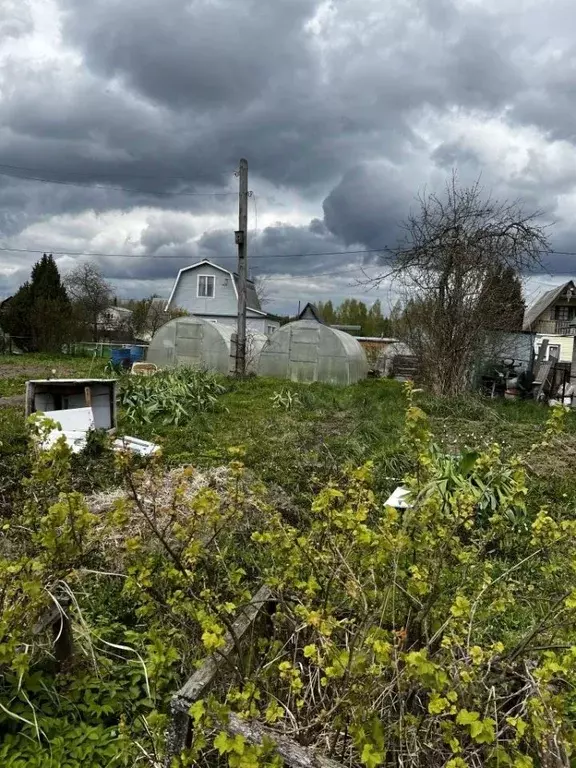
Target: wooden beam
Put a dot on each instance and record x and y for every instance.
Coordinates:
(205, 674)
(292, 753)
(179, 734)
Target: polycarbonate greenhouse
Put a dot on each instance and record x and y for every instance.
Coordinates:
(307, 351)
(199, 343)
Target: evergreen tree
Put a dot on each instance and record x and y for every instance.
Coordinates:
(503, 301)
(17, 318)
(38, 316)
(51, 306)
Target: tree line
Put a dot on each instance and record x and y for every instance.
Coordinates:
(50, 310)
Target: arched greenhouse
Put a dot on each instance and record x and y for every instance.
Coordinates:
(307, 351)
(199, 343)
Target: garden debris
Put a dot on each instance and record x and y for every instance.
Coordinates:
(44, 395)
(74, 424)
(144, 369)
(169, 498)
(134, 444)
(159, 492)
(397, 499)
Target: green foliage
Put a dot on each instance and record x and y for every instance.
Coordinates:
(504, 300)
(38, 315)
(355, 312)
(285, 399)
(437, 635)
(171, 397)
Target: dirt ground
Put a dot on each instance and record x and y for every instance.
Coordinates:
(11, 401)
(16, 370)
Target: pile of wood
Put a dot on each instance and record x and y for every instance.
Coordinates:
(405, 367)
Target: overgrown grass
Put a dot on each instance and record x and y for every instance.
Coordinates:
(306, 443)
(15, 370)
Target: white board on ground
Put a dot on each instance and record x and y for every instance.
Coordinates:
(134, 444)
(74, 423)
(398, 499)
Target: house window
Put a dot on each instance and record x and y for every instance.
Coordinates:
(270, 329)
(206, 286)
(563, 314)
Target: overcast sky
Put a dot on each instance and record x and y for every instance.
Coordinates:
(344, 109)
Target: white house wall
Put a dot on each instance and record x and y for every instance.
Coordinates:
(566, 344)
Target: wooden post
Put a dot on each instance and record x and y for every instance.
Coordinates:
(242, 243)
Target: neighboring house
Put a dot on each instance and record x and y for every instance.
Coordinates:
(554, 312)
(310, 312)
(211, 292)
(114, 323)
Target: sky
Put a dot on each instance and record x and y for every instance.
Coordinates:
(122, 124)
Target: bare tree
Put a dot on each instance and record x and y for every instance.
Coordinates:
(262, 285)
(91, 295)
(150, 314)
(455, 249)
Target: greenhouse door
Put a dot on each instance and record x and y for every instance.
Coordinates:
(189, 338)
(304, 354)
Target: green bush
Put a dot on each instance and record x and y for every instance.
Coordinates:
(438, 635)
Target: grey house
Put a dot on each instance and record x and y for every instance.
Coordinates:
(211, 292)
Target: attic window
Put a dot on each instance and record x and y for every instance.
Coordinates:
(206, 286)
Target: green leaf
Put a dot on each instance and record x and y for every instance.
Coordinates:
(370, 757)
(222, 743)
(464, 717)
(467, 462)
(197, 711)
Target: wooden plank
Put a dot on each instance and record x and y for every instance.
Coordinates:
(291, 752)
(180, 731)
(203, 676)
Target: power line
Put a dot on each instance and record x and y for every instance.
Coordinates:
(118, 174)
(55, 252)
(336, 273)
(122, 189)
(301, 254)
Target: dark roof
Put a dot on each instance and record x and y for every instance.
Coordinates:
(540, 305)
(315, 313)
(252, 300)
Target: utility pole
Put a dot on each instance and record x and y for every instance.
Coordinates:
(242, 243)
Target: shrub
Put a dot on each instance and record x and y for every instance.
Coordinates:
(441, 635)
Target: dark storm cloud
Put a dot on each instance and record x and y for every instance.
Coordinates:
(207, 53)
(252, 78)
(328, 101)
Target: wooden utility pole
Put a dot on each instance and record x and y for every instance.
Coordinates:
(242, 243)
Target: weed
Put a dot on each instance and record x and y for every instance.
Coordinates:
(285, 399)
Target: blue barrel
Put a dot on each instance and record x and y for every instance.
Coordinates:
(120, 357)
(136, 354)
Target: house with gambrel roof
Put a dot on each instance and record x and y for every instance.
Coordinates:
(209, 291)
